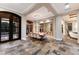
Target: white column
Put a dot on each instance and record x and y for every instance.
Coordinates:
(74, 26)
(58, 30)
(37, 26)
(54, 28)
(63, 27)
(33, 27)
(23, 28)
(78, 26)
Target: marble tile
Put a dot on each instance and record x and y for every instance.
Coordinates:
(35, 47)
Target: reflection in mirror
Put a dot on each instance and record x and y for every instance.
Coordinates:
(70, 27)
(46, 27)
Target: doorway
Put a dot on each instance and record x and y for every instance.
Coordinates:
(10, 26)
(29, 27)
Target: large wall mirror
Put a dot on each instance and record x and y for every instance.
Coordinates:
(70, 28)
(10, 26)
(46, 27)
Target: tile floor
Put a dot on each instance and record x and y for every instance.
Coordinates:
(35, 47)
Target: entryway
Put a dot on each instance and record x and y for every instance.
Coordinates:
(10, 26)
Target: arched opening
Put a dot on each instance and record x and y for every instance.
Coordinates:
(10, 26)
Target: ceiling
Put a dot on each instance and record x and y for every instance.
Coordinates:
(40, 14)
(36, 11)
(16, 7)
(60, 7)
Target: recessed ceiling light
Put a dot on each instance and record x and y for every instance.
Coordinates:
(47, 20)
(67, 6)
(41, 22)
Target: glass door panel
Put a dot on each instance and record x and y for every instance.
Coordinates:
(15, 28)
(4, 29)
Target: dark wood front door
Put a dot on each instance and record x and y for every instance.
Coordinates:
(10, 26)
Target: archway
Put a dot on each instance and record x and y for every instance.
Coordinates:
(10, 26)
